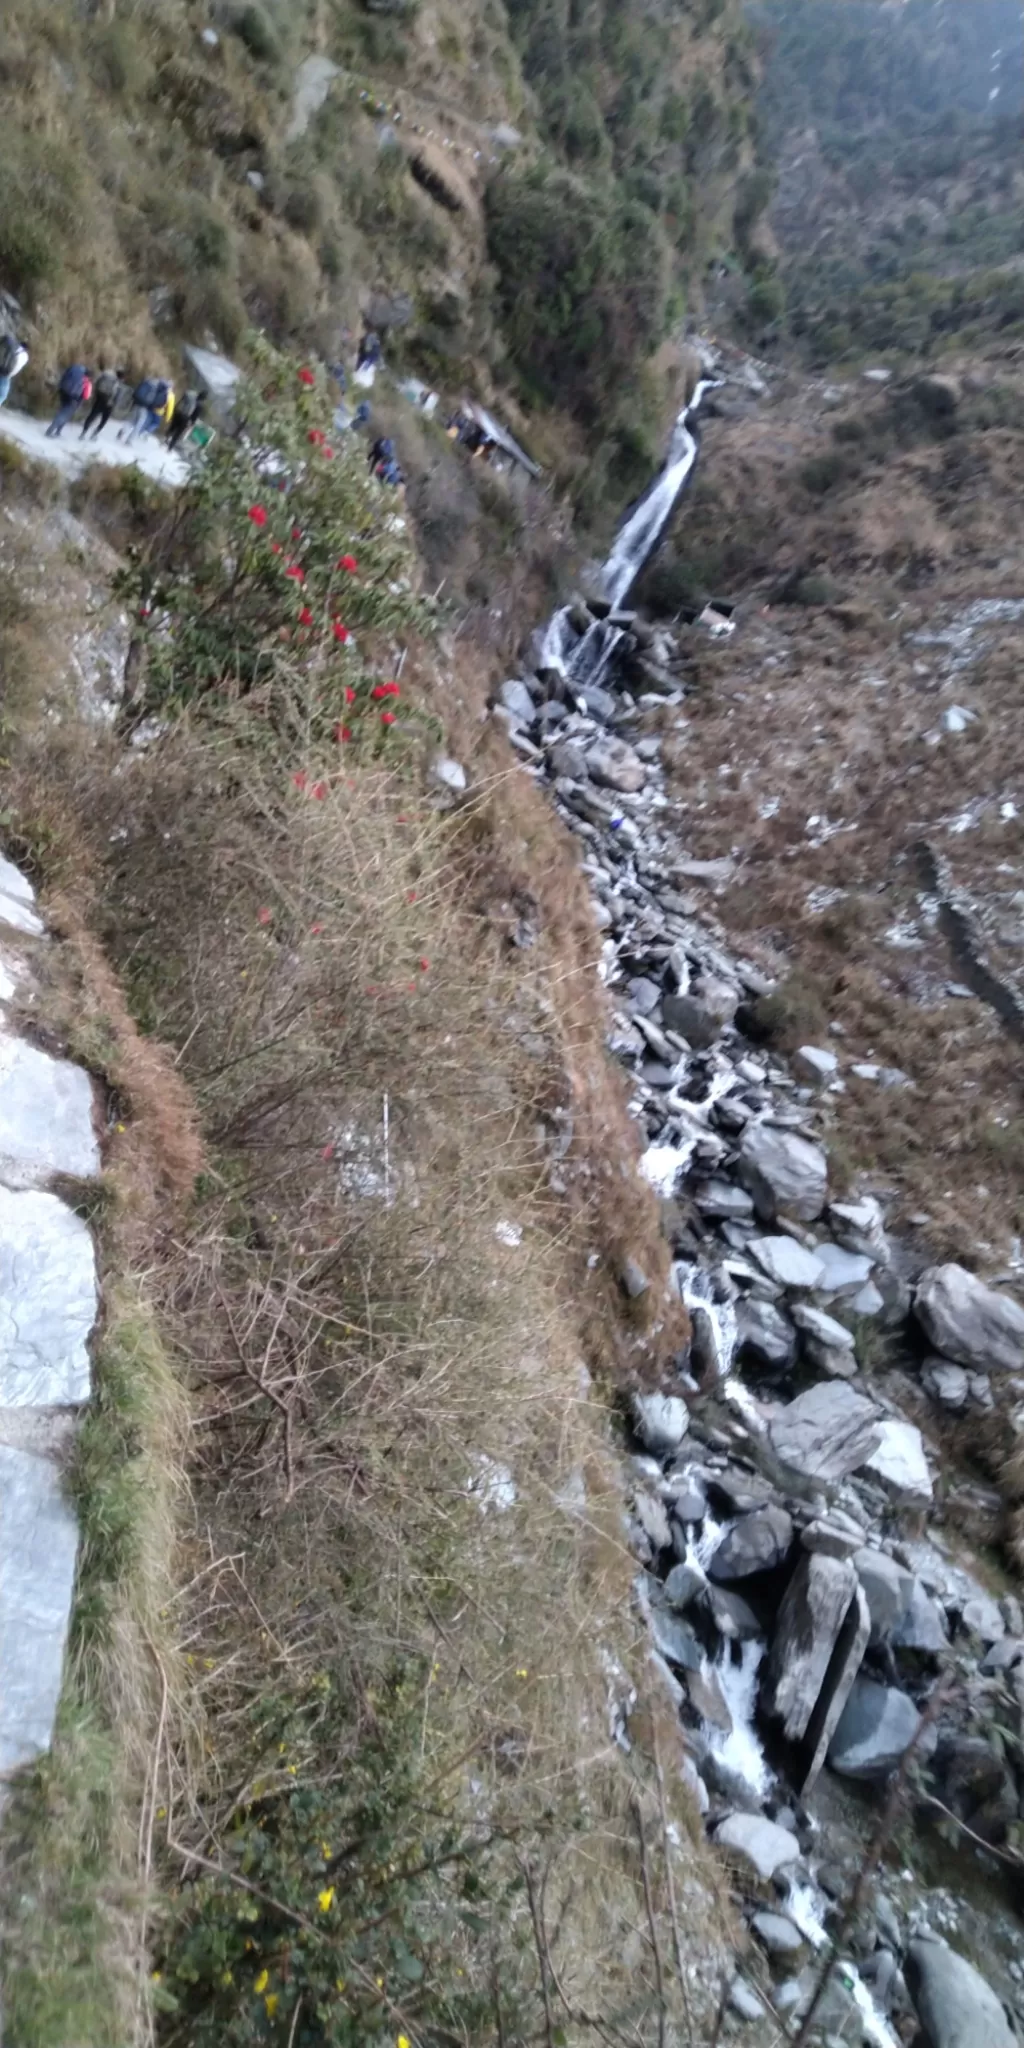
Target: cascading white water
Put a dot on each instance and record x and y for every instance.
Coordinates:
(740, 1751)
(584, 660)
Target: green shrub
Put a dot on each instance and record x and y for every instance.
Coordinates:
(255, 31)
(582, 282)
(766, 300)
(823, 472)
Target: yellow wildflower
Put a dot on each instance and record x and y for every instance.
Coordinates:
(522, 1672)
(262, 1981)
(325, 1850)
(227, 1977)
(271, 2004)
(339, 1983)
(325, 1899)
(154, 1976)
(403, 2041)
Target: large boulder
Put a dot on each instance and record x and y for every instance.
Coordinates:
(887, 1588)
(765, 1335)
(785, 1173)
(786, 1262)
(613, 764)
(661, 1422)
(877, 1724)
(900, 1465)
(810, 1618)
(954, 2004)
(760, 1843)
(965, 1320)
(756, 1543)
(827, 1432)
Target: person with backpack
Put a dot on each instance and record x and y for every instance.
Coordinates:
(106, 392)
(382, 451)
(71, 390)
(187, 414)
(13, 357)
(153, 407)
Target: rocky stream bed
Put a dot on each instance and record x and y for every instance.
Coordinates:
(803, 1565)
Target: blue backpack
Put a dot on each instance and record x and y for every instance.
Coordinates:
(159, 399)
(145, 393)
(72, 384)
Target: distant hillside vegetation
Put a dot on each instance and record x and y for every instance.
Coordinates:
(895, 131)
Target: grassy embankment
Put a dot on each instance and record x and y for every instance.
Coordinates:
(335, 1760)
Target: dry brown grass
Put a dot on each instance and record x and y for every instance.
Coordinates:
(366, 1361)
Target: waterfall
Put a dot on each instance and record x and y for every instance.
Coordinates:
(584, 660)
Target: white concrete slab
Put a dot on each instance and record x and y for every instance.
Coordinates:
(38, 1549)
(49, 1297)
(46, 1116)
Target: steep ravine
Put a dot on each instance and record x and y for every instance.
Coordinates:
(801, 1571)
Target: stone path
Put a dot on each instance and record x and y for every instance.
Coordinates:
(72, 456)
(49, 1297)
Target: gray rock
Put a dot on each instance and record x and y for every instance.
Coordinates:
(786, 1262)
(661, 1422)
(763, 1330)
(828, 1540)
(900, 1465)
(38, 1544)
(841, 1272)
(945, 1383)
(824, 1329)
(516, 699)
(652, 1516)
(614, 765)
(744, 2000)
(1002, 1656)
(634, 1279)
(644, 995)
(784, 1173)
(807, 1629)
(969, 1322)
(887, 1587)
(688, 1015)
(675, 1639)
(448, 774)
(860, 1227)
(980, 1615)
(731, 1614)
(954, 2004)
(46, 1116)
(682, 1586)
(781, 1937)
(722, 1198)
(827, 1432)
(600, 703)
(815, 1064)
(887, 1921)
(568, 757)
(755, 1543)
(759, 1843)
(707, 1698)
(877, 1725)
(1013, 1614)
(48, 1302)
(17, 900)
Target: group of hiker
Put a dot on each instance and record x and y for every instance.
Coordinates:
(151, 405)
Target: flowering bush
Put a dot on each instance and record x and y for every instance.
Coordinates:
(246, 579)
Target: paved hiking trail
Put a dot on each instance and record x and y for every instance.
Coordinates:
(72, 456)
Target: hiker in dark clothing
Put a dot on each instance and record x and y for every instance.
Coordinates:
(71, 390)
(189, 410)
(106, 392)
(369, 350)
(383, 451)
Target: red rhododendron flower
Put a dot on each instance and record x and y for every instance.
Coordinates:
(264, 915)
(387, 718)
(307, 376)
(276, 548)
(297, 575)
(296, 533)
(385, 690)
(348, 562)
(305, 616)
(328, 451)
(315, 437)
(345, 733)
(424, 966)
(350, 695)
(300, 780)
(257, 515)
(319, 790)
(340, 631)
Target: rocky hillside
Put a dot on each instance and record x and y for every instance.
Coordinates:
(518, 201)
(893, 133)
